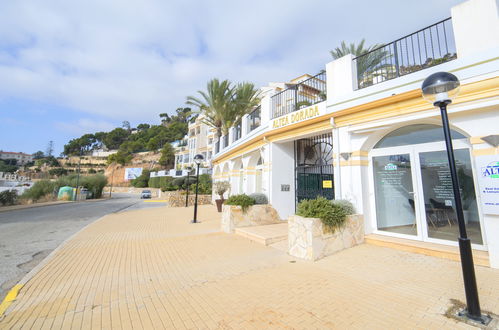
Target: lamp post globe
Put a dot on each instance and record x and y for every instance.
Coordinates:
(188, 169)
(440, 89)
(198, 159)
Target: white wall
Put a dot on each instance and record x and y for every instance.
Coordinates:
(283, 166)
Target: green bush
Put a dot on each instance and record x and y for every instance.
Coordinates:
(332, 214)
(165, 183)
(92, 171)
(142, 180)
(259, 198)
(40, 189)
(95, 184)
(346, 205)
(242, 200)
(59, 171)
(8, 197)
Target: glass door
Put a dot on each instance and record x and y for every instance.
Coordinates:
(395, 202)
(437, 202)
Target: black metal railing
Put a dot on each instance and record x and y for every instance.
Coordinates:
(422, 49)
(254, 119)
(301, 95)
(237, 132)
(217, 146)
(225, 141)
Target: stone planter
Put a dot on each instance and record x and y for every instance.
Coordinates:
(176, 199)
(256, 215)
(307, 240)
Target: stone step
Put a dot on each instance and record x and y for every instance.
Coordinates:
(430, 249)
(266, 234)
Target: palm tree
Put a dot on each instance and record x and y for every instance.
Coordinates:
(365, 63)
(224, 105)
(215, 103)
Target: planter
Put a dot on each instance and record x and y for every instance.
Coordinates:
(307, 240)
(256, 215)
(219, 203)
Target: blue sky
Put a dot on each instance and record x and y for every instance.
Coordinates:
(74, 67)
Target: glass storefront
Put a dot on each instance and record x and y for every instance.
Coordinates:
(413, 189)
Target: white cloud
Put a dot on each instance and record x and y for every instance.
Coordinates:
(134, 59)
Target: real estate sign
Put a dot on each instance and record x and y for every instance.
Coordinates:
(488, 180)
(132, 173)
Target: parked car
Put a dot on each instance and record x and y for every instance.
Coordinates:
(145, 194)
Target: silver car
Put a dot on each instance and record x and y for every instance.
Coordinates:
(145, 194)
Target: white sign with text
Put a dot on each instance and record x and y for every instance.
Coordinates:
(488, 180)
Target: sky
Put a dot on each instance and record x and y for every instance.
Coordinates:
(71, 67)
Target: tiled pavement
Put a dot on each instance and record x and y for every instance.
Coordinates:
(153, 269)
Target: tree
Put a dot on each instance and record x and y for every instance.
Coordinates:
(143, 127)
(6, 168)
(126, 125)
(167, 158)
(39, 154)
(365, 63)
(121, 157)
(224, 105)
(81, 145)
(50, 149)
(115, 138)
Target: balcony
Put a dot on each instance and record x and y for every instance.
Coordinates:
(237, 132)
(254, 119)
(422, 49)
(301, 95)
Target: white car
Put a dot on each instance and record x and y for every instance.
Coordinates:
(145, 194)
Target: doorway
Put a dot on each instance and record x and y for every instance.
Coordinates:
(413, 196)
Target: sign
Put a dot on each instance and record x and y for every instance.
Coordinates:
(296, 116)
(132, 173)
(285, 187)
(488, 179)
(327, 184)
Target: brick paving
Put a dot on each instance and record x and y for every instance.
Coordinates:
(152, 269)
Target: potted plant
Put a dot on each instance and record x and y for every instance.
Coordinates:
(221, 187)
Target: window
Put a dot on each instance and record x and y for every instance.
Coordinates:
(415, 134)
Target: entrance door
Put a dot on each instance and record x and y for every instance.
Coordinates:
(413, 196)
(314, 168)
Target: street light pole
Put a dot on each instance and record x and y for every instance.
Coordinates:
(189, 169)
(439, 88)
(78, 177)
(197, 159)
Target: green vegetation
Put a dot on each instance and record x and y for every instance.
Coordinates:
(242, 200)
(142, 180)
(45, 188)
(259, 198)
(332, 213)
(205, 184)
(8, 197)
(58, 171)
(7, 167)
(165, 183)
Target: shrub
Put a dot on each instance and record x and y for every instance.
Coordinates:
(40, 189)
(142, 180)
(205, 185)
(259, 198)
(221, 187)
(346, 205)
(332, 215)
(59, 171)
(242, 200)
(182, 182)
(92, 171)
(95, 184)
(8, 197)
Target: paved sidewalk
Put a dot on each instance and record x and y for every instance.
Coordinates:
(152, 269)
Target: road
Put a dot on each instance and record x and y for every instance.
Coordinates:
(27, 236)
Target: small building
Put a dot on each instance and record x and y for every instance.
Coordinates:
(20, 157)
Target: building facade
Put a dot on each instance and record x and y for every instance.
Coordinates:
(362, 132)
(20, 157)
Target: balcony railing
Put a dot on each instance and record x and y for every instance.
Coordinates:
(254, 119)
(237, 132)
(422, 49)
(301, 95)
(225, 141)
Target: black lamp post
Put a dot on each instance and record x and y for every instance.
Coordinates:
(439, 89)
(198, 159)
(189, 169)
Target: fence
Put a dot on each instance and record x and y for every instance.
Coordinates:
(422, 49)
(301, 95)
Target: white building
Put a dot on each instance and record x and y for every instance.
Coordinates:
(376, 142)
(20, 157)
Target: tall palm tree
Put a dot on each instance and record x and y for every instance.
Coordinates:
(365, 63)
(223, 105)
(215, 103)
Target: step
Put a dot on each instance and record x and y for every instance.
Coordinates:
(430, 249)
(266, 234)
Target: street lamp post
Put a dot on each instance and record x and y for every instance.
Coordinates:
(189, 169)
(198, 160)
(439, 89)
(78, 177)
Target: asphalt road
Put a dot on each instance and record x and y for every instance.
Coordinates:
(27, 236)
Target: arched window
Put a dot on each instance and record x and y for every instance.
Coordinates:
(415, 134)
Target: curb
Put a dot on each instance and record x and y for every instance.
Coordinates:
(31, 206)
